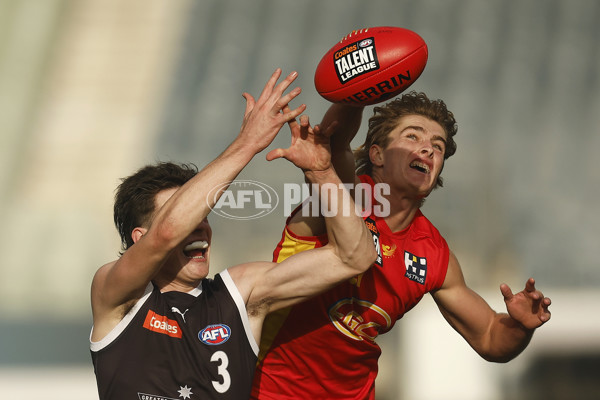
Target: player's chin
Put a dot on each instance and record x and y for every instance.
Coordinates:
(194, 264)
(197, 269)
(422, 191)
(422, 184)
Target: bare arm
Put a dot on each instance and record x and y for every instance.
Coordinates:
(497, 337)
(350, 251)
(343, 122)
(124, 280)
(347, 121)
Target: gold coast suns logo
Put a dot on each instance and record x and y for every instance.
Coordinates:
(388, 251)
(359, 319)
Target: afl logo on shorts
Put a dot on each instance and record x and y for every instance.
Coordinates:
(215, 334)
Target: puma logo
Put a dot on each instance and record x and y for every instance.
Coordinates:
(176, 310)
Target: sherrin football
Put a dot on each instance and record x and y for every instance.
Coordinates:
(371, 65)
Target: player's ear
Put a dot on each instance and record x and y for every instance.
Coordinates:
(137, 234)
(376, 155)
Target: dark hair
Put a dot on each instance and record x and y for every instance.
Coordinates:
(135, 196)
(385, 119)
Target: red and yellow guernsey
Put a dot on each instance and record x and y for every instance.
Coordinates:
(324, 348)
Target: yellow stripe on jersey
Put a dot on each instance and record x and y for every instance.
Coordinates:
(291, 245)
(288, 246)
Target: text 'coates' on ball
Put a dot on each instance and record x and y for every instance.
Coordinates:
(371, 65)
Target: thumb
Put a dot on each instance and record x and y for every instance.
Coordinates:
(506, 292)
(275, 154)
(249, 102)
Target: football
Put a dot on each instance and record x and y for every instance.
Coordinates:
(371, 65)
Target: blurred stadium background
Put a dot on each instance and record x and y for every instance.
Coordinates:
(90, 90)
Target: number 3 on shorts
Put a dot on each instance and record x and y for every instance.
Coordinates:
(221, 357)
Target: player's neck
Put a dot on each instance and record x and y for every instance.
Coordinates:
(400, 218)
(177, 284)
(402, 208)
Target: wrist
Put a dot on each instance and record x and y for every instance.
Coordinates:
(244, 146)
(327, 175)
(520, 326)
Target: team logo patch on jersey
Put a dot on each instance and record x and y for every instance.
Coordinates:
(359, 319)
(215, 334)
(388, 251)
(416, 267)
(161, 324)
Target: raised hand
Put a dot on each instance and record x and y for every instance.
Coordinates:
(529, 307)
(310, 149)
(264, 118)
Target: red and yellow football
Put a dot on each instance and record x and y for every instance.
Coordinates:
(371, 65)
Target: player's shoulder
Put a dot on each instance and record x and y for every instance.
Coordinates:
(246, 276)
(106, 267)
(101, 273)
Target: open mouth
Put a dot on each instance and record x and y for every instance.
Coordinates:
(420, 166)
(196, 250)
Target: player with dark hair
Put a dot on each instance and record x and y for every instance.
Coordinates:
(162, 329)
(325, 347)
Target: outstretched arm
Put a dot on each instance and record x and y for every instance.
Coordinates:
(350, 251)
(341, 122)
(347, 120)
(124, 280)
(497, 337)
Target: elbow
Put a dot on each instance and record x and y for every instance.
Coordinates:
(363, 255)
(370, 255)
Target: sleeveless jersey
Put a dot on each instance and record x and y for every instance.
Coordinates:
(324, 348)
(175, 345)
